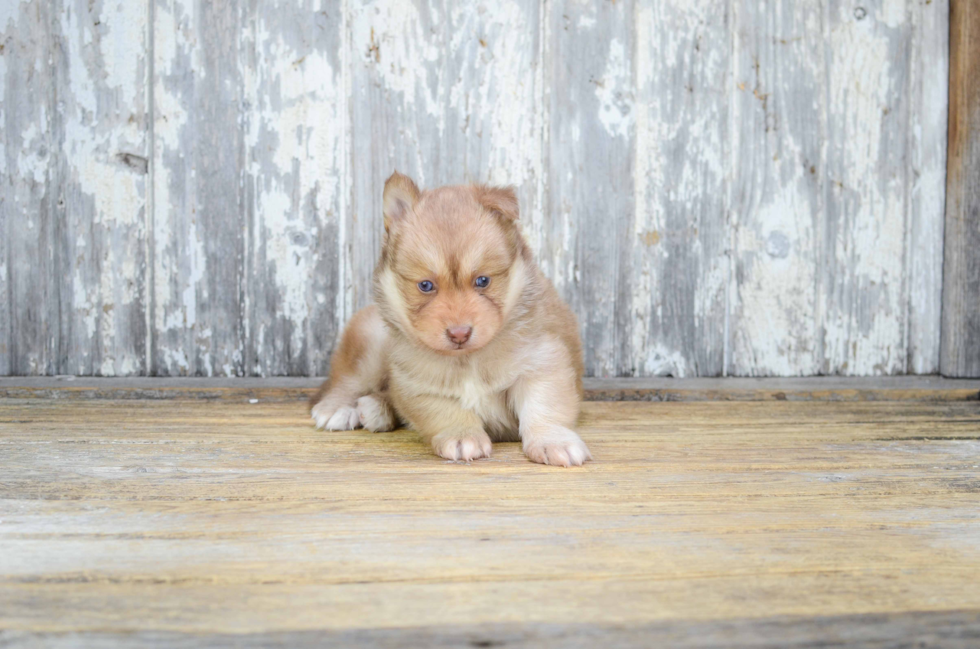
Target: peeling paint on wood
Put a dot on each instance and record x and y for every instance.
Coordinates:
(679, 274)
(447, 93)
(777, 201)
(198, 188)
(592, 124)
(193, 188)
(296, 186)
(928, 91)
(73, 102)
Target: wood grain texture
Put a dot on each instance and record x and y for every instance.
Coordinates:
(73, 187)
(928, 93)
(865, 227)
(679, 270)
(198, 188)
(297, 198)
(242, 390)
(961, 265)
(777, 201)
(589, 66)
(193, 519)
(927, 630)
(737, 189)
(444, 92)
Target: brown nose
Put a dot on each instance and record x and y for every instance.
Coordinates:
(459, 335)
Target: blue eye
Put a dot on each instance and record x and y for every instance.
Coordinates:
(426, 286)
(482, 281)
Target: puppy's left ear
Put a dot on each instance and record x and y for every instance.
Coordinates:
(401, 194)
(501, 200)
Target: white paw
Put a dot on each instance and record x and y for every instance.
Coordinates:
(321, 413)
(557, 446)
(465, 446)
(345, 418)
(374, 414)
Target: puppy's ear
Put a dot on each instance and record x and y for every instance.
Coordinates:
(400, 196)
(501, 200)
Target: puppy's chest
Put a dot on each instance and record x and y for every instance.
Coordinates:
(486, 398)
(477, 395)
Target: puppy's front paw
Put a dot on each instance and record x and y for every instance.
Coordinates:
(557, 446)
(321, 413)
(466, 445)
(375, 414)
(344, 418)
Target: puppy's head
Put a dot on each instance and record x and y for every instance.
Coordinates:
(453, 263)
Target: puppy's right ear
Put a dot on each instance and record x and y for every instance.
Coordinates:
(400, 196)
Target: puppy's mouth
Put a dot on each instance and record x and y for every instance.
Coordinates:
(456, 349)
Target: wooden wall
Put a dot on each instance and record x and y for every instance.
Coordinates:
(745, 188)
(961, 272)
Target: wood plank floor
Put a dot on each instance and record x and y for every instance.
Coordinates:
(192, 523)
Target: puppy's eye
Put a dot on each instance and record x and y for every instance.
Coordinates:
(426, 286)
(482, 281)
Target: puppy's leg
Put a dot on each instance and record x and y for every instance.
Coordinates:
(358, 368)
(547, 404)
(376, 413)
(453, 432)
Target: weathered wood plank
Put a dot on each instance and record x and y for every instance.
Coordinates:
(777, 202)
(8, 189)
(589, 58)
(446, 93)
(863, 292)
(29, 190)
(929, 70)
(679, 269)
(297, 193)
(241, 390)
(106, 156)
(74, 199)
(950, 630)
(198, 188)
(960, 354)
(196, 518)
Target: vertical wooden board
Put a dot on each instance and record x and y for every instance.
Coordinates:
(394, 77)
(779, 127)
(589, 57)
(31, 197)
(864, 297)
(928, 97)
(198, 159)
(7, 194)
(960, 353)
(679, 238)
(105, 148)
(491, 97)
(297, 184)
(74, 203)
(446, 93)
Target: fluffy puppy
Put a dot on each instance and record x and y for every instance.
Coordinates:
(468, 343)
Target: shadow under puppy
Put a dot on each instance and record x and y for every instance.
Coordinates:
(468, 342)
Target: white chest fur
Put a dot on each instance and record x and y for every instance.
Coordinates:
(476, 387)
(487, 399)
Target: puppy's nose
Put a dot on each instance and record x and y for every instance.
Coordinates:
(459, 335)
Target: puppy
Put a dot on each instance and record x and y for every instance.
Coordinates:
(468, 343)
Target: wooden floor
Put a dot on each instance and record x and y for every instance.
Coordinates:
(191, 523)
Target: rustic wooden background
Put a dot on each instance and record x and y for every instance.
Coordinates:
(738, 187)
